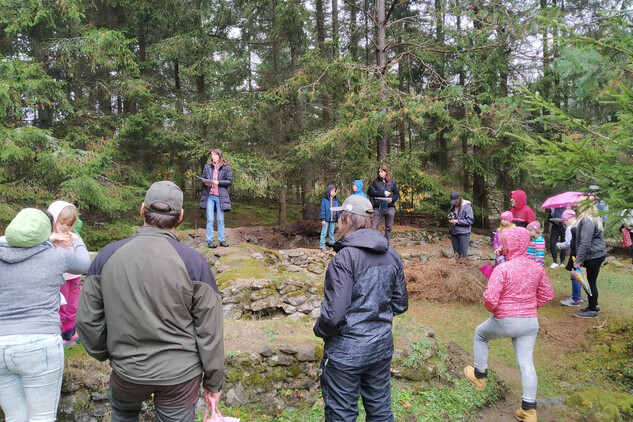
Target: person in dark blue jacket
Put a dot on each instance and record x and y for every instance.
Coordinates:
(328, 218)
(460, 219)
(364, 288)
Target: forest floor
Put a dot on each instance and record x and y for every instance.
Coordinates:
(572, 355)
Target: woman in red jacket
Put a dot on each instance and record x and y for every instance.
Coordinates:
(516, 289)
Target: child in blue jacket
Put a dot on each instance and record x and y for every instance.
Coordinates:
(328, 218)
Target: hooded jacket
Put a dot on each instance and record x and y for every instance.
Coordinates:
(364, 288)
(29, 285)
(328, 202)
(225, 179)
(465, 218)
(518, 286)
(523, 214)
(151, 305)
(359, 188)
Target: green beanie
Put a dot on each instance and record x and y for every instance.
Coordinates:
(29, 228)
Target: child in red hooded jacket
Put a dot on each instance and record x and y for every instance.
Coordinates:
(522, 213)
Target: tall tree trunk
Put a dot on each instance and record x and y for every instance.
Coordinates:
(381, 63)
(480, 196)
(353, 30)
(283, 207)
(335, 29)
(440, 139)
(320, 25)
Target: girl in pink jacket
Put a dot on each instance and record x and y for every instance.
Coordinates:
(517, 288)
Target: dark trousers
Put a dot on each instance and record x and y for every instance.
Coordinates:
(341, 386)
(558, 232)
(388, 215)
(173, 403)
(460, 244)
(593, 269)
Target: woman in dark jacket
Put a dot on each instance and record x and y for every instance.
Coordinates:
(217, 177)
(384, 193)
(591, 252)
(364, 288)
(460, 218)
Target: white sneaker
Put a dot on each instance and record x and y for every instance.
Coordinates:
(554, 265)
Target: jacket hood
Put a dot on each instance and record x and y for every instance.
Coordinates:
(520, 198)
(359, 185)
(515, 241)
(327, 191)
(56, 207)
(368, 239)
(11, 255)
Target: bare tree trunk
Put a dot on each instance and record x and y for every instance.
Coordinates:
(335, 28)
(283, 207)
(353, 30)
(381, 63)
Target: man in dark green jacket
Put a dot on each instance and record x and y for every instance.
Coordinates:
(151, 306)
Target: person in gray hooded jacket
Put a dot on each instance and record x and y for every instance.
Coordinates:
(31, 349)
(364, 288)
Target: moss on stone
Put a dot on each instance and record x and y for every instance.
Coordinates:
(608, 406)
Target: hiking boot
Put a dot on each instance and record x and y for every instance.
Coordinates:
(587, 308)
(72, 341)
(571, 302)
(212, 245)
(224, 244)
(324, 249)
(525, 415)
(586, 314)
(478, 383)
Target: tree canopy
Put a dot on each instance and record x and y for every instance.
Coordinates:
(99, 99)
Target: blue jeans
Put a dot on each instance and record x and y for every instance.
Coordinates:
(341, 386)
(576, 290)
(214, 202)
(31, 370)
(523, 332)
(327, 229)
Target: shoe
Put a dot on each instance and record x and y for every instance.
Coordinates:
(224, 244)
(526, 415)
(554, 265)
(72, 341)
(586, 314)
(324, 249)
(212, 245)
(587, 308)
(571, 302)
(478, 383)
(331, 244)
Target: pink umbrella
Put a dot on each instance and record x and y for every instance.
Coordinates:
(563, 200)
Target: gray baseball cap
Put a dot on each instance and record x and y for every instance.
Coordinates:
(166, 192)
(355, 204)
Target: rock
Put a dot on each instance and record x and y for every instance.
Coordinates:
(261, 294)
(294, 254)
(266, 303)
(307, 354)
(99, 396)
(267, 352)
(260, 284)
(315, 313)
(551, 402)
(285, 348)
(289, 289)
(297, 316)
(447, 253)
(100, 409)
(293, 268)
(257, 255)
(236, 396)
(288, 309)
(294, 298)
(280, 360)
(316, 269)
(232, 311)
(397, 354)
